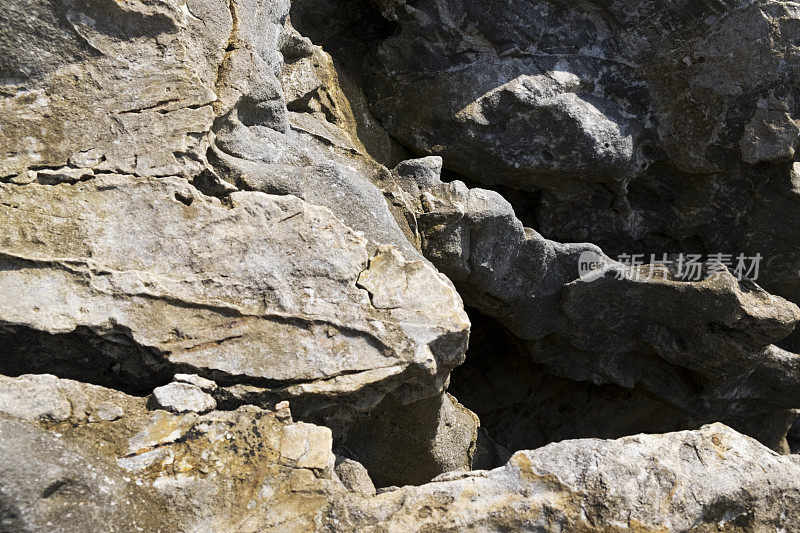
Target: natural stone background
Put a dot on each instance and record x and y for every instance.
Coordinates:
(313, 265)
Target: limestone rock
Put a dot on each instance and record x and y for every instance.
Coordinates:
(226, 471)
(531, 94)
(198, 381)
(271, 283)
(404, 444)
(707, 479)
(50, 484)
(165, 472)
(355, 477)
(46, 398)
(182, 397)
(100, 78)
(659, 128)
(221, 311)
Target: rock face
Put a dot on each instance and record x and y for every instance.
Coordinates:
(591, 485)
(682, 116)
(283, 308)
(250, 470)
(607, 87)
(711, 360)
(237, 238)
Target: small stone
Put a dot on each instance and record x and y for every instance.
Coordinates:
(199, 382)
(108, 411)
(355, 477)
(182, 397)
(282, 411)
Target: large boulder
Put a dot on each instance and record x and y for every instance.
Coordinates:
(657, 127)
(707, 480)
(137, 241)
(266, 289)
(704, 346)
(534, 93)
(70, 468)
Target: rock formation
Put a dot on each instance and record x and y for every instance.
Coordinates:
(249, 279)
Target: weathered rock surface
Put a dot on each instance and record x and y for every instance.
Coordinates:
(247, 470)
(355, 477)
(182, 398)
(241, 470)
(201, 241)
(109, 86)
(672, 482)
(533, 91)
(262, 288)
(713, 359)
(129, 254)
(404, 445)
(663, 127)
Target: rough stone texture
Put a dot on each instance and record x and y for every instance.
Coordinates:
(85, 82)
(241, 470)
(182, 397)
(355, 477)
(674, 482)
(606, 87)
(246, 470)
(712, 359)
(116, 240)
(281, 307)
(198, 216)
(198, 381)
(403, 444)
(650, 127)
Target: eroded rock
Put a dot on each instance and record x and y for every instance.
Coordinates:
(247, 470)
(713, 359)
(182, 397)
(271, 285)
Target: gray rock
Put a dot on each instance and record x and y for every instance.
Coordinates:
(355, 477)
(531, 94)
(607, 328)
(181, 398)
(199, 382)
(162, 471)
(411, 444)
(50, 484)
(195, 188)
(105, 77)
(668, 127)
(46, 398)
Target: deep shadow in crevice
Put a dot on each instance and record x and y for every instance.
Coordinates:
(110, 360)
(521, 406)
(346, 29)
